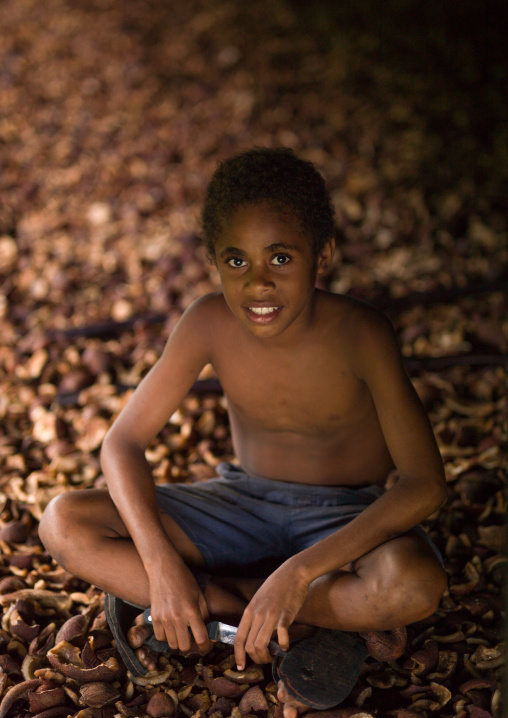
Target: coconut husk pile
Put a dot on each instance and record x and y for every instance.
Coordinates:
(114, 114)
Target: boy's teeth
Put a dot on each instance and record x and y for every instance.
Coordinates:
(262, 310)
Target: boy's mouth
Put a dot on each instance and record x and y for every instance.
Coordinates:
(262, 315)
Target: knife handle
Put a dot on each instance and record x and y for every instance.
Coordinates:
(276, 650)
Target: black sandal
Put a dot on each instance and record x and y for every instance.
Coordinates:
(120, 616)
(321, 670)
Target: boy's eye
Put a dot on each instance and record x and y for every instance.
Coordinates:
(236, 262)
(281, 259)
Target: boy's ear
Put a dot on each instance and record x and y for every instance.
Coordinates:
(325, 256)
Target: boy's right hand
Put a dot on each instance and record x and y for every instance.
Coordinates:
(178, 604)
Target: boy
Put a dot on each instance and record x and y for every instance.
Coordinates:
(320, 411)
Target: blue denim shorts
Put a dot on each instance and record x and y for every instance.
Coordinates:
(239, 521)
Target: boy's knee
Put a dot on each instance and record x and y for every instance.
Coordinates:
(55, 522)
(411, 583)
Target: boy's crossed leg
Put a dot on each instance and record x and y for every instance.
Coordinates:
(395, 584)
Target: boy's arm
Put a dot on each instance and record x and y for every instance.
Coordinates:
(421, 487)
(419, 491)
(174, 596)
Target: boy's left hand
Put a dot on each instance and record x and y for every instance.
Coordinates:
(274, 606)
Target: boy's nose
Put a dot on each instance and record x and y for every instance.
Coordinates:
(259, 278)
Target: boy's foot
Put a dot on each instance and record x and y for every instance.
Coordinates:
(386, 645)
(292, 708)
(137, 634)
(319, 671)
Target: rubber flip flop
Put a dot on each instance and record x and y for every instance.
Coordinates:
(120, 616)
(321, 670)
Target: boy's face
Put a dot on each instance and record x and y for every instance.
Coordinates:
(267, 270)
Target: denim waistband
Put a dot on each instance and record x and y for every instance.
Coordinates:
(290, 493)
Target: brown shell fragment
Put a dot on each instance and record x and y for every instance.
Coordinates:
(383, 680)
(493, 537)
(479, 604)
(97, 694)
(43, 642)
(133, 708)
(9, 584)
(485, 658)
(472, 575)
(46, 696)
(340, 713)
(222, 705)
(253, 674)
(221, 686)
(446, 665)
(8, 665)
(477, 712)
(414, 690)
(56, 712)
(152, 678)
(476, 684)
(443, 696)
(160, 705)
(16, 693)
(200, 702)
(14, 532)
(425, 659)
(253, 700)
(59, 602)
(73, 630)
(20, 628)
(66, 658)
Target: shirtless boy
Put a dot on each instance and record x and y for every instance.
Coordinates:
(321, 411)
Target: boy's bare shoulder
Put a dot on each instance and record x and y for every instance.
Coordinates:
(210, 307)
(364, 332)
(351, 313)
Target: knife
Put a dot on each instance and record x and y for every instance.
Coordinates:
(218, 631)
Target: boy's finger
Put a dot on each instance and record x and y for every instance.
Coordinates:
(183, 637)
(239, 645)
(203, 608)
(169, 635)
(283, 637)
(200, 634)
(257, 645)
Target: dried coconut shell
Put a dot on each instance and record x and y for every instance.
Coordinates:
(21, 629)
(46, 696)
(425, 660)
(56, 712)
(16, 693)
(253, 674)
(160, 705)
(73, 630)
(221, 686)
(98, 693)
(14, 532)
(253, 700)
(66, 659)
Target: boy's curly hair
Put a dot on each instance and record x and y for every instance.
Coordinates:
(274, 175)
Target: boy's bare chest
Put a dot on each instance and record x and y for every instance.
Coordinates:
(308, 392)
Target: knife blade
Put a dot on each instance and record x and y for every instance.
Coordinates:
(218, 631)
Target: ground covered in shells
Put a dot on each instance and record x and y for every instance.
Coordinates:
(113, 115)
